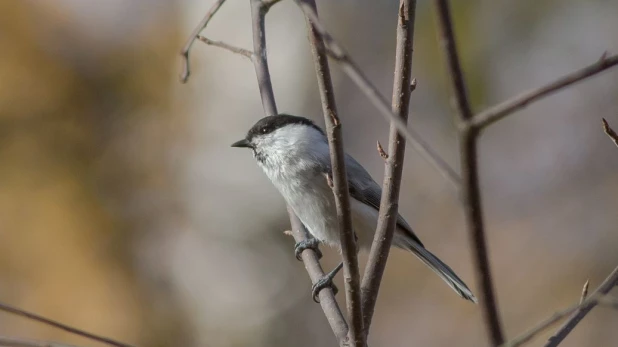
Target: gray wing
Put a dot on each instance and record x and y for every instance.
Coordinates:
(363, 188)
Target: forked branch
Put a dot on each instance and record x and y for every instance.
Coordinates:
(470, 189)
(184, 53)
(556, 317)
(377, 99)
(610, 282)
(577, 313)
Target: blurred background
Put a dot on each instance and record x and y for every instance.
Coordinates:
(124, 211)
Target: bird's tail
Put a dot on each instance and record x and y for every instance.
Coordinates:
(444, 271)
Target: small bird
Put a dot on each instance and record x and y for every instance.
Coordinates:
(293, 152)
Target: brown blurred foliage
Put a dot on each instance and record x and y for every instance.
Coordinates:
(85, 125)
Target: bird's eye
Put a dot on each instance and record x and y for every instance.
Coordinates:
(263, 130)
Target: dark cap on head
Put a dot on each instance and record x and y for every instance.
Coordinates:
(269, 124)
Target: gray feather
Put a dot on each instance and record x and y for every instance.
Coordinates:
(444, 271)
(363, 188)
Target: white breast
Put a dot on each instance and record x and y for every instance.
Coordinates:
(295, 164)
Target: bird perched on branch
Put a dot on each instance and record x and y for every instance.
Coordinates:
(294, 154)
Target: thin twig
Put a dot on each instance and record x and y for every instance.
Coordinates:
(381, 151)
(471, 193)
(393, 171)
(495, 113)
(609, 131)
(378, 100)
(65, 327)
(413, 85)
(18, 342)
(610, 282)
(583, 296)
(244, 52)
(184, 53)
(340, 184)
(310, 259)
(584, 292)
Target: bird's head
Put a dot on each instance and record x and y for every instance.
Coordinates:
(281, 135)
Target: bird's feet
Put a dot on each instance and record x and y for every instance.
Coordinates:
(311, 243)
(325, 282)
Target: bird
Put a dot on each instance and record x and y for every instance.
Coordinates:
(293, 152)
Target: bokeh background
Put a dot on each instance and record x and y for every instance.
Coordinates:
(124, 211)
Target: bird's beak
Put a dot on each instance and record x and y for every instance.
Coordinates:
(242, 144)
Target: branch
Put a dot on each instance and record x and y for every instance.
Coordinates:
(16, 342)
(65, 327)
(237, 50)
(556, 317)
(310, 259)
(393, 171)
(471, 193)
(595, 299)
(542, 326)
(378, 100)
(184, 53)
(610, 282)
(327, 297)
(351, 272)
(609, 131)
(260, 62)
(504, 109)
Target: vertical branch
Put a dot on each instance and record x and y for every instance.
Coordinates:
(260, 60)
(310, 258)
(471, 196)
(471, 193)
(340, 184)
(389, 204)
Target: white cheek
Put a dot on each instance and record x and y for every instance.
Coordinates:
(291, 150)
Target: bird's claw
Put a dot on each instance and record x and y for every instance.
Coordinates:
(311, 243)
(322, 283)
(325, 282)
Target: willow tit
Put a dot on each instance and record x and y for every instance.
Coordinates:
(293, 152)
